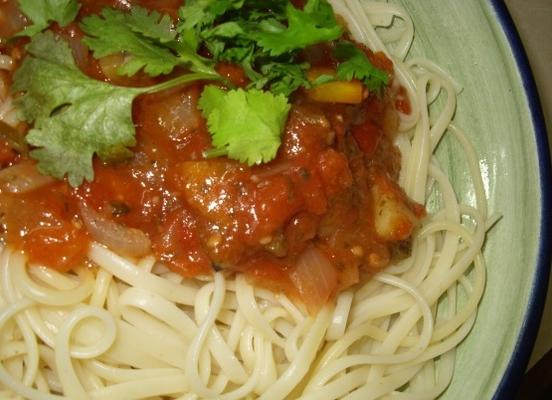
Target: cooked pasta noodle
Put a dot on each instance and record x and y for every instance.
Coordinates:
(133, 329)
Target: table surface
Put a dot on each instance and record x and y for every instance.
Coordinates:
(533, 19)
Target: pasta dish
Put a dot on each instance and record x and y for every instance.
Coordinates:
(229, 200)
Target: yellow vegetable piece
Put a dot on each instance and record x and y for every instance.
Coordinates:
(345, 92)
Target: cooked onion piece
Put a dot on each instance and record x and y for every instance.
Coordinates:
(22, 178)
(124, 240)
(315, 278)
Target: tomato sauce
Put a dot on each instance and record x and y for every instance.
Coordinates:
(203, 215)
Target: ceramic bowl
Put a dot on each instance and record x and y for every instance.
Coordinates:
(476, 41)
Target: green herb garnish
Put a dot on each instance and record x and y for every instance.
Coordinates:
(315, 24)
(356, 65)
(149, 40)
(246, 124)
(263, 37)
(42, 12)
(76, 117)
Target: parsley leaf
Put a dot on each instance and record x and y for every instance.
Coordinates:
(315, 24)
(356, 65)
(42, 12)
(148, 38)
(75, 116)
(245, 125)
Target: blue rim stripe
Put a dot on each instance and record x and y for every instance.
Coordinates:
(511, 380)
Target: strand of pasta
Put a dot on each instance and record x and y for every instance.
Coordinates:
(126, 271)
(32, 358)
(298, 368)
(195, 382)
(5, 378)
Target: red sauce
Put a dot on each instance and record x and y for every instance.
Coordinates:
(204, 215)
(7, 154)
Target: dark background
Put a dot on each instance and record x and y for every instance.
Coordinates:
(533, 19)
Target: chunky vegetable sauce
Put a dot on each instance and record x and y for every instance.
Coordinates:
(325, 211)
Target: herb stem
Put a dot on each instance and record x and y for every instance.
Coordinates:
(182, 80)
(214, 153)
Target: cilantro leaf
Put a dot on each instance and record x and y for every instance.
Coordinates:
(315, 24)
(245, 125)
(231, 42)
(114, 31)
(74, 116)
(153, 25)
(283, 78)
(149, 39)
(195, 15)
(356, 65)
(42, 12)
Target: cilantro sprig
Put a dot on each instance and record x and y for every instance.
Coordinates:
(148, 38)
(356, 65)
(259, 117)
(42, 12)
(263, 37)
(75, 116)
(315, 24)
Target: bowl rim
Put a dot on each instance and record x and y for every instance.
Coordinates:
(509, 384)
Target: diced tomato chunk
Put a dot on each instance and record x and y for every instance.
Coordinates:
(299, 231)
(402, 103)
(269, 272)
(367, 136)
(62, 246)
(335, 172)
(381, 61)
(178, 245)
(270, 204)
(43, 223)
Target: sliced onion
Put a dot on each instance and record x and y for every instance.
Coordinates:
(119, 238)
(22, 178)
(182, 115)
(315, 278)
